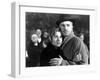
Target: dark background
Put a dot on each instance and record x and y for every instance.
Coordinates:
(46, 21)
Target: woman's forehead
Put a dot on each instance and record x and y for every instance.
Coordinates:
(58, 33)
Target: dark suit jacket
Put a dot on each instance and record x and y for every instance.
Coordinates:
(34, 53)
(48, 53)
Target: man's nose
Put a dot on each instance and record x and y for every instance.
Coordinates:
(64, 27)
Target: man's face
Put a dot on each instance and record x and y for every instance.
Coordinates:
(57, 39)
(66, 27)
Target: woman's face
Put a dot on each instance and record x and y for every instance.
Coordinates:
(57, 39)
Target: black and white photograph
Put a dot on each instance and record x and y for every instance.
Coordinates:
(52, 40)
(55, 39)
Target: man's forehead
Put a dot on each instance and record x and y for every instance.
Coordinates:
(66, 22)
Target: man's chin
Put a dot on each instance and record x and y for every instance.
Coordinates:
(65, 34)
(58, 45)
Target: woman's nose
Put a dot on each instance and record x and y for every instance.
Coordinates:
(58, 39)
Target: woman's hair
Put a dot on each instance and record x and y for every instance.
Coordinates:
(54, 30)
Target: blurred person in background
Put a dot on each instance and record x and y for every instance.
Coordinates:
(39, 33)
(45, 39)
(81, 36)
(34, 49)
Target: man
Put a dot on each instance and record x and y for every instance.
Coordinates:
(34, 49)
(74, 49)
(39, 33)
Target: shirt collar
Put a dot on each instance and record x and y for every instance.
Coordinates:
(67, 38)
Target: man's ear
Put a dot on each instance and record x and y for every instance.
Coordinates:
(72, 26)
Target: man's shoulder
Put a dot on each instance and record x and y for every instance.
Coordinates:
(76, 40)
(73, 39)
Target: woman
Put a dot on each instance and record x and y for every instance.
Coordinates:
(52, 50)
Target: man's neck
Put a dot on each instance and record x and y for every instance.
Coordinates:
(71, 34)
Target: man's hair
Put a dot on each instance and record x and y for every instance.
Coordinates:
(65, 19)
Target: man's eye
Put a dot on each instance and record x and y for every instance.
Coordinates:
(68, 25)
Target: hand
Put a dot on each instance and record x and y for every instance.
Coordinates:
(56, 61)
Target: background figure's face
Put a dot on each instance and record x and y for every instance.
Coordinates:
(66, 27)
(38, 32)
(57, 39)
(45, 34)
(82, 37)
(34, 38)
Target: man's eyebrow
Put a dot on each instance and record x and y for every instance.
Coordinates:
(62, 24)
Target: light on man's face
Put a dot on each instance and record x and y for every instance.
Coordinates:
(66, 27)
